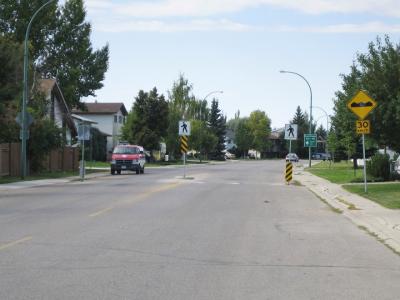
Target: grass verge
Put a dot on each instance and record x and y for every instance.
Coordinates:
(387, 195)
(340, 173)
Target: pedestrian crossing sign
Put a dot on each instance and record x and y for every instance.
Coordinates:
(291, 132)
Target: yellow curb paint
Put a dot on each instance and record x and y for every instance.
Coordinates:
(8, 245)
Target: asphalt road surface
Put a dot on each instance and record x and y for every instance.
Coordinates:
(231, 231)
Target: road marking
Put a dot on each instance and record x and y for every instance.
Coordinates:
(8, 245)
(100, 212)
(137, 198)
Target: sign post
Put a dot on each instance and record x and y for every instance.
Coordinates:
(290, 134)
(361, 105)
(83, 135)
(184, 132)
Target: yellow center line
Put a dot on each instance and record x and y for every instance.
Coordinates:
(8, 245)
(100, 212)
(137, 198)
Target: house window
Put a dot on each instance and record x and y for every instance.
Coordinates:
(115, 119)
(120, 120)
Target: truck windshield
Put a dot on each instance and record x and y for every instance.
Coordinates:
(126, 150)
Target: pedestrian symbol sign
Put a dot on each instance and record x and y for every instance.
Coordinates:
(291, 132)
(361, 104)
(184, 128)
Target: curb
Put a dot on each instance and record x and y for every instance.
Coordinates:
(380, 222)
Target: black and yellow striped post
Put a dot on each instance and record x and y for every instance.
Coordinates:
(184, 150)
(184, 144)
(289, 172)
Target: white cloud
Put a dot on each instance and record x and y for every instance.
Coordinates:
(201, 8)
(162, 26)
(372, 27)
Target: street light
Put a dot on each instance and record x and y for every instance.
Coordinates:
(310, 124)
(213, 92)
(210, 93)
(25, 94)
(327, 117)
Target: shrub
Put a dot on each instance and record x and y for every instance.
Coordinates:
(379, 166)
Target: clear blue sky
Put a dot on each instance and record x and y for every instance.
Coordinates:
(238, 46)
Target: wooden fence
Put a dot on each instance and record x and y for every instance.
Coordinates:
(64, 159)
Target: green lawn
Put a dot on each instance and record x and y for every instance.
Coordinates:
(337, 172)
(387, 195)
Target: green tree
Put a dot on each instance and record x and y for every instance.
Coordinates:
(332, 143)
(182, 104)
(217, 125)
(321, 136)
(201, 138)
(147, 121)
(243, 136)
(376, 72)
(301, 119)
(14, 19)
(70, 56)
(260, 126)
(10, 88)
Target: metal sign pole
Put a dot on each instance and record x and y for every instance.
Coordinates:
(83, 161)
(184, 165)
(290, 146)
(365, 165)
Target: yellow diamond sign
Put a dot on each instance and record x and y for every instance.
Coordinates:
(361, 104)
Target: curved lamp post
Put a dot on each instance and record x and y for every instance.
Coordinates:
(204, 99)
(327, 117)
(213, 92)
(25, 93)
(310, 124)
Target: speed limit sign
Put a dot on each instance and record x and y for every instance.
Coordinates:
(363, 127)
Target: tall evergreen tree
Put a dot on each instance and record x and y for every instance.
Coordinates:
(147, 121)
(217, 124)
(301, 119)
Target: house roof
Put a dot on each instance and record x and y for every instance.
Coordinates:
(103, 108)
(49, 85)
(82, 119)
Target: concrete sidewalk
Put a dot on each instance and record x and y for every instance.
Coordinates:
(43, 182)
(379, 221)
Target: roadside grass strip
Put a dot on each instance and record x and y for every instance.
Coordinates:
(387, 195)
(340, 173)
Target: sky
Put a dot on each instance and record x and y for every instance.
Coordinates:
(238, 47)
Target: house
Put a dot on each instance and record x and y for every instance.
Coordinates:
(110, 117)
(58, 110)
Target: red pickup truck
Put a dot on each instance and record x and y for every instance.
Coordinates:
(128, 157)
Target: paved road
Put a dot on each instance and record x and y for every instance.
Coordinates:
(234, 231)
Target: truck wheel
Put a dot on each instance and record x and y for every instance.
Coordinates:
(112, 172)
(137, 171)
(119, 172)
(142, 170)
